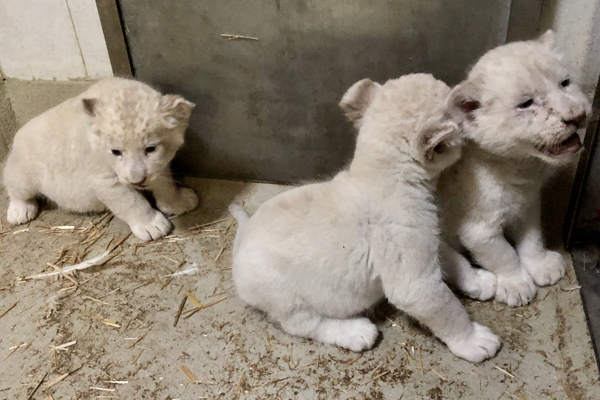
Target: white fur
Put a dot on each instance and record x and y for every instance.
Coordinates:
(67, 155)
(316, 256)
(491, 197)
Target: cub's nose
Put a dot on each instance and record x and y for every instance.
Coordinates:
(140, 183)
(577, 121)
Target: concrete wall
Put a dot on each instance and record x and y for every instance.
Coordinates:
(52, 39)
(577, 27)
(8, 124)
(62, 40)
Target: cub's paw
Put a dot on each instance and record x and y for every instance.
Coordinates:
(477, 346)
(20, 212)
(157, 227)
(516, 289)
(357, 334)
(545, 270)
(480, 286)
(186, 201)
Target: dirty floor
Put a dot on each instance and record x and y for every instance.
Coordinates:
(111, 331)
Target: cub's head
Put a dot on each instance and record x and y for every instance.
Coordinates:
(519, 101)
(405, 117)
(136, 128)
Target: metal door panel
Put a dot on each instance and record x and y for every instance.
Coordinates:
(267, 109)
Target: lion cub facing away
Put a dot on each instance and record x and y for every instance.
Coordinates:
(316, 256)
(97, 151)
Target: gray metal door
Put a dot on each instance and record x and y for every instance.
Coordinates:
(267, 108)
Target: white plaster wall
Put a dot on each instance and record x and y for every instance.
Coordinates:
(62, 39)
(52, 39)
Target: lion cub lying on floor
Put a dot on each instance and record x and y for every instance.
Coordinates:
(316, 256)
(520, 112)
(97, 151)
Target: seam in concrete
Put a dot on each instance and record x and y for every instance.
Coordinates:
(77, 39)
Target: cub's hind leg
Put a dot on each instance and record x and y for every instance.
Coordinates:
(356, 334)
(23, 206)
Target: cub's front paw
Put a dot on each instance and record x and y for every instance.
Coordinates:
(157, 227)
(186, 201)
(516, 289)
(480, 344)
(20, 212)
(480, 286)
(547, 269)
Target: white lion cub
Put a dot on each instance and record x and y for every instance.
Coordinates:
(520, 111)
(316, 256)
(97, 151)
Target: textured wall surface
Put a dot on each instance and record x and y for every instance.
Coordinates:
(8, 125)
(52, 39)
(577, 27)
(267, 108)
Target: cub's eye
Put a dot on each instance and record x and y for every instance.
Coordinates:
(116, 152)
(150, 149)
(565, 83)
(526, 104)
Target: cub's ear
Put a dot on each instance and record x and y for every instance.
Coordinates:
(89, 106)
(438, 137)
(357, 99)
(462, 102)
(175, 109)
(548, 39)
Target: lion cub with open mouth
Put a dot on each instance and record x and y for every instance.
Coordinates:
(97, 151)
(520, 112)
(316, 256)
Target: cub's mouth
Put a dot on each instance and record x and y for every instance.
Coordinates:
(570, 145)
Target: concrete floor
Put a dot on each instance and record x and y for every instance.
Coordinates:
(121, 316)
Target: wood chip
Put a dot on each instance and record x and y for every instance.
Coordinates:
(64, 346)
(442, 377)
(421, 362)
(195, 310)
(120, 242)
(188, 374)
(111, 322)
(352, 361)
(219, 255)
(37, 387)
(237, 388)
(193, 299)
(504, 371)
(377, 377)
(96, 300)
(136, 341)
(234, 37)
(60, 378)
(9, 308)
(13, 349)
(178, 315)
(570, 289)
(102, 389)
(208, 224)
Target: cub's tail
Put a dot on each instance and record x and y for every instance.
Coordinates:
(239, 214)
